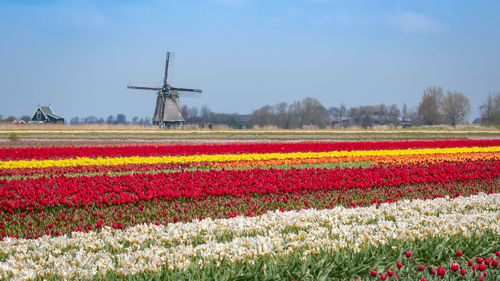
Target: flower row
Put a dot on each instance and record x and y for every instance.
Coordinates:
(383, 159)
(236, 157)
(33, 223)
(149, 248)
(59, 152)
(130, 189)
(386, 159)
(99, 169)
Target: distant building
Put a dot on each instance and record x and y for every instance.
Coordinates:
(406, 123)
(343, 122)
(45, 114)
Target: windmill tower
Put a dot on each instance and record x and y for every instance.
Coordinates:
(168, 108)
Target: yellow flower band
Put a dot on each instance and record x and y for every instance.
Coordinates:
(235, 157)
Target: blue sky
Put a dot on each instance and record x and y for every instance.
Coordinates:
(79, 55)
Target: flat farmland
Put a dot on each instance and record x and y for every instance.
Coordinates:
(144, 204)
(78, 135)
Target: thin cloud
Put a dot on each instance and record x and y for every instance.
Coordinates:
(415, 22)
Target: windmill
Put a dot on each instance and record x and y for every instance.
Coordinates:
(168, 109)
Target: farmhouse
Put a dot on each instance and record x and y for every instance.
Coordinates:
(45, 114)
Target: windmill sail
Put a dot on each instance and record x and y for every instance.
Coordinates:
(168, 109)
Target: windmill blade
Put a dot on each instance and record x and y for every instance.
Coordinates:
(186, 94)
(143, 86)
(186, 90)
(166, 69)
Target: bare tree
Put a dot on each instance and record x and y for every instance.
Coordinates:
(264, 116)
(428, 109)
(490, 110)
(282, 116)
(206, 115)
(333, 115)
(312, 112)
(121, 118)
(26, 118)
(394, 115)
(10, 119)
(405, 111)
(111, 119)
(456, 107)
(342, 114)
(496, 103)
(190, 114)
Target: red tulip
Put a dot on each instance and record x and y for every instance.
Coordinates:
(56, 152)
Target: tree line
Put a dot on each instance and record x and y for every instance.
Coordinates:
(305, 113)
(436, 107)
(111, 119)
(452, 108)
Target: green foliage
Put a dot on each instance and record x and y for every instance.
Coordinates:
(345, 264)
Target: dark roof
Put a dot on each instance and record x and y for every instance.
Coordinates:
(47, 110)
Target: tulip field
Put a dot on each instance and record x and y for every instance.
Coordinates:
(379, 210)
